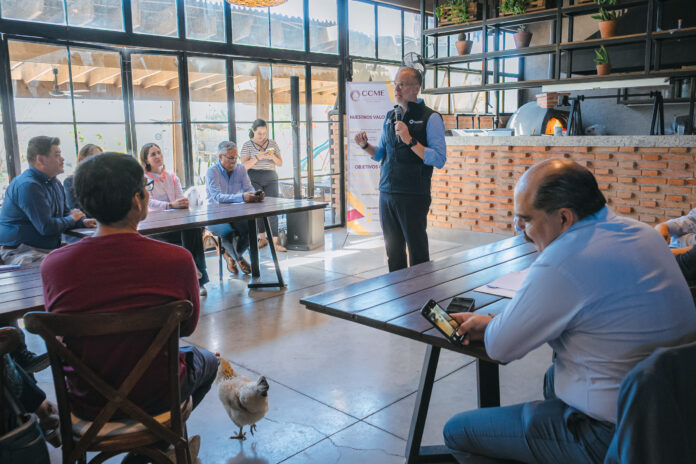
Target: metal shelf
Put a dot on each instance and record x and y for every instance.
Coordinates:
(652, 40)
(687, 72)
(536, 16)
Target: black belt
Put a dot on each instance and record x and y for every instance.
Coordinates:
(8, 247)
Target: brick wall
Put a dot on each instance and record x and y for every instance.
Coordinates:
(474, 191)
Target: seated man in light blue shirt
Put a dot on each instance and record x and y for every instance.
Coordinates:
(228, 182)
(604, 292)
(679, 233)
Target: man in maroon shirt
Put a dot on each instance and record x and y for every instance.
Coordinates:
(119, 270)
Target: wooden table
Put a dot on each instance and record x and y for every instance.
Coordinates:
(392, 303)
(179, 219)
(20, 292)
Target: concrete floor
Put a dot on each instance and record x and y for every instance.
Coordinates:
(339, 392)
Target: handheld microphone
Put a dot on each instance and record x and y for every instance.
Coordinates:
(398, 116)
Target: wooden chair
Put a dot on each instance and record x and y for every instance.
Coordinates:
(9, 341)
(141, 430)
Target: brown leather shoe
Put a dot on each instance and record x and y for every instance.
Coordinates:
(244, 266)
(263, 242)
(231, 265)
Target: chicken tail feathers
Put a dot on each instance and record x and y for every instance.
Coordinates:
(225, 370)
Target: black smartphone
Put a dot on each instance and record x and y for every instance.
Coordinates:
(442, 321)
(461, 305)
(258, 192)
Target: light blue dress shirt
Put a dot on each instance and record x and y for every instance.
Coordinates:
(603, 295)
(682, 230)
(436, 151)
(223, 188)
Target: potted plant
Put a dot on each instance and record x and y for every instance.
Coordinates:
(607, 19)
(514, 7)
(453, 12)
(522, 37)
(463, 44)
(602, 61)
(517, 7)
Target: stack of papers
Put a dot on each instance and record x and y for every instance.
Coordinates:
(505, 286)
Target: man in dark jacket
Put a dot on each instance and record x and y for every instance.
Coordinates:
(412, 143)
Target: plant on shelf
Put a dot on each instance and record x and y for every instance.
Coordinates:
(463, 44)
(522, 37)
(515, 7)
(607, 18)
(453, 12)
(602, 61)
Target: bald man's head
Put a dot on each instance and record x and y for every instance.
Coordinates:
(551, 197)
(561, 183)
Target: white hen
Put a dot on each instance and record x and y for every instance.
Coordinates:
(246, 402)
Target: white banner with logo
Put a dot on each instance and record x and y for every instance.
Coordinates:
(367, 105)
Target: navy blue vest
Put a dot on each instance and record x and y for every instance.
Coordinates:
(402, 170)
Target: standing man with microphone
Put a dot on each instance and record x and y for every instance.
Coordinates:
(412, 143)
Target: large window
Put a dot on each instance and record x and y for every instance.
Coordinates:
(208, 105)
(205, 20)
(287, 25)
(43, 11)
(155, 17)
(389, 29)
(157, 107)
(412, 32)
(251, 26)
(361, 31)
(46, 99)
(323, 26)
(325, 150)
(102, 14)
(42, 97)
(98, 98)
(168, 79)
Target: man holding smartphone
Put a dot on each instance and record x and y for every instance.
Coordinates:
(601, 306)
(228, 182)
(412, 143)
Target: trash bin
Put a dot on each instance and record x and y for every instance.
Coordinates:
(305, 230)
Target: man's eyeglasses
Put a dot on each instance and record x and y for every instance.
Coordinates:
(401, 85)
(149, 184)
(230, 158)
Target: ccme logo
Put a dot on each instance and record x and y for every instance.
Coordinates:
(356, 94)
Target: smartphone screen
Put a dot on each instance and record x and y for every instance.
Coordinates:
(443, 321)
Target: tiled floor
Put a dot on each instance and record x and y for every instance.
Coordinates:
(339, 392)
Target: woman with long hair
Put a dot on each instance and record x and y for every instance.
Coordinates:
(167, 194)
(260, 156)
(85, 152)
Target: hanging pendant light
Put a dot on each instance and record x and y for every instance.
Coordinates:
(257, 3)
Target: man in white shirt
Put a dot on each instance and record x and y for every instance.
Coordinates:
(604, 292)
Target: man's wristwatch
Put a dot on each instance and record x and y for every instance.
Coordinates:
(364, 147)
(413, 142)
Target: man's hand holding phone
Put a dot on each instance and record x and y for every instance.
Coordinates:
(252, 197)
(472, 326)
